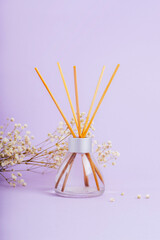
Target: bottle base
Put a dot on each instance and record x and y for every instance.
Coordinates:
(80, 192)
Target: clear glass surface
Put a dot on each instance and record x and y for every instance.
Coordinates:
(79, 176)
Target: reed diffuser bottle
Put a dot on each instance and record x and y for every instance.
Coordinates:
(78, 175)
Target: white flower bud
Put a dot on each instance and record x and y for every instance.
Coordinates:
(12, 119)
(112, 200)
(5, 140)
(16, 157)
(13, 176)
(21, 181)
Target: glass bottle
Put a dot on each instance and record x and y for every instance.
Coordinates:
(79, 175)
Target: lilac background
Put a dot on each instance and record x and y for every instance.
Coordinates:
(88, 34)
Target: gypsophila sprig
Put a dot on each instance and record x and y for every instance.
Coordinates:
(104, 153)
(18, 154)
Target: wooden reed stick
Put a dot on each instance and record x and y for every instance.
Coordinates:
(77, 101)
(103, 95)
(86, 182)
(67, 175)
(68, 95)
(55, 102)
(93, 100)
(98, 173)
(64, 169)
(93, 170)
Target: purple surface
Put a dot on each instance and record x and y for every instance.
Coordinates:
(88, 34)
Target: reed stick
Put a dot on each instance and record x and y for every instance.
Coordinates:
(93, 100)
(103, 95)
(68, 95)
(67, 175)
(77, 101)
(86, 182)
(98, 173)
(55, 102)
(93, 170)
(64, 169)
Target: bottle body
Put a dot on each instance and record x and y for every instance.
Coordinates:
(79, 174)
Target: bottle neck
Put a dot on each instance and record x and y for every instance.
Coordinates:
(80, 145)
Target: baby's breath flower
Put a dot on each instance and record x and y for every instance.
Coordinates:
(5, 163)
(5, 140)
(19, 174)
(16, 157)
(19, 137)
(19, 148)
(118, 154)
(12, 184)
(104, 145)
(26, 138)
(93, 129)
(88, 134)
(138, 196)
(12, 119)
(13, 176)
(112, 200)
(25, 125)
(21, 181)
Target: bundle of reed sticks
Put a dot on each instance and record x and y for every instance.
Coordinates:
(81, 134)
